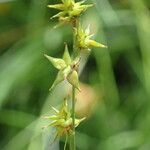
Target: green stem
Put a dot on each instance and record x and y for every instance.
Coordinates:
(73, 116)
(65, 146)
(75, 24)
(72, 143)
(72, 137)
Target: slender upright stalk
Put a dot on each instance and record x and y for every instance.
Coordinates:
(75, 24)
(73, 143)
(73, 117)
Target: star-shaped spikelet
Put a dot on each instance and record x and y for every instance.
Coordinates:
(62, 120)
(69, 9)
(84, 40)
(67, 69)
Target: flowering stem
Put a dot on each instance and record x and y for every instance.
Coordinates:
(70, 11)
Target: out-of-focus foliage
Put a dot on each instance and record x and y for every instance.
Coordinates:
(116, 95)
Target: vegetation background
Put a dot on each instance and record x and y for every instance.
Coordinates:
(115, 81)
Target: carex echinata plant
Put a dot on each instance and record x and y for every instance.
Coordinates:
(64, 119)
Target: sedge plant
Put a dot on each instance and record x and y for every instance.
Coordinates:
(64, 119)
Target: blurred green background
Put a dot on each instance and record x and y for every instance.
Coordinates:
(116, 87)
